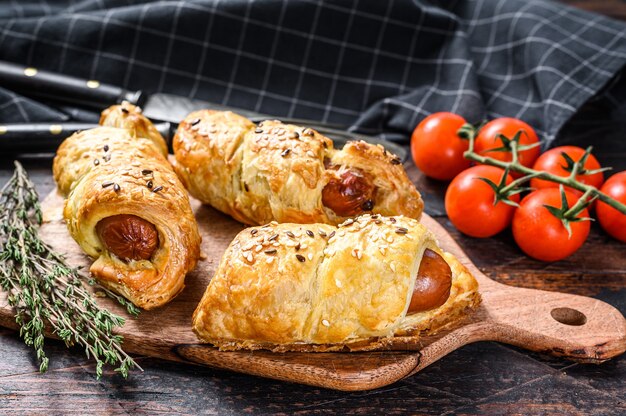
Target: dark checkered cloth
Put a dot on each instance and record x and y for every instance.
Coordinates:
(379, 66)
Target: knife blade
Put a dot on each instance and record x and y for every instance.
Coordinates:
(158, 107)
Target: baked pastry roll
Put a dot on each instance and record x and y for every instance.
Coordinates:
(364, 285)
(128, 210)
(129, 116)
(286, 173)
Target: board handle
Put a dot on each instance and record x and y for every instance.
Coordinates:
(579, 328)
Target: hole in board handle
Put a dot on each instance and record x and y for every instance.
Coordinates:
(568, 316)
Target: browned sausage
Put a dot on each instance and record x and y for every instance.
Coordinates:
(349, 195)
(128, 236)
(432, 285)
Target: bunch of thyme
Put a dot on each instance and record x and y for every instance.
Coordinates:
(45, 291)
(565, 213)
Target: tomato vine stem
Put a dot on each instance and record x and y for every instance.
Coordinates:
(588, 191)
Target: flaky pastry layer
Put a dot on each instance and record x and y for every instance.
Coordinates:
(108, 171)
(277, 172)
(318, 287)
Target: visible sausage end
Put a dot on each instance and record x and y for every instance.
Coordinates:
(129, 237)
(432, 284)
(349, 195)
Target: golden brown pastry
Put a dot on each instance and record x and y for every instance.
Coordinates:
(128, 210)
(129, 116)
(286, 173)
(360, 286)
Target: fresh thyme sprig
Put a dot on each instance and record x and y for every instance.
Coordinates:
(45, 291)
(590, 192)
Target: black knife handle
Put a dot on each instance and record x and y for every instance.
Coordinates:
(40, 83)
(46, 137)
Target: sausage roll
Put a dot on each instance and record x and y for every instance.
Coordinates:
(364, 285)
(128, 210)
(286, 173)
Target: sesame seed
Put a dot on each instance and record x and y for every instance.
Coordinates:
(245, 186)
(269, 260)
(157, 189)
(298, 247)
(338, 283)
(258, 248)
(258, 131)
(354, 251)
(149, 184)
(300, 258)
(310, 256)
(107, 184)
(285, 152)
(310, 233)
(378, 222)
(310, 153)
(348, 222)
(392, 267)
(359, 255)
(331, 235)
(124, 110)
(272, 237)
(194, 122)
(303, 246)
(271, 251)
(96, 162)
(276, 244)
(392, 219)
(290, 234)
(146, 172)
(308, 132)
(390, 239)
(116, 187)
(295, 135)
(325, 322)
(342, 233)
(107, 157)
(401, 230)
(249, 257)
(106, 148)
(396, 161)
(375, 216)
(383, 250)
(291, 243)
(254, 231)
(322, 233)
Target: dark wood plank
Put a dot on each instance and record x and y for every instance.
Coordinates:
(554, 394)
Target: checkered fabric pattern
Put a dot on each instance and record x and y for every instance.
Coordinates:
(378, 66)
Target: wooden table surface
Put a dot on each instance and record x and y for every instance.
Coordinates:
(483, 378)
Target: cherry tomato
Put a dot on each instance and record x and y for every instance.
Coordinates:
(552, 161)
(437, 149)
(469, 202)
(613, 221)
(540, 234)
(488, 139)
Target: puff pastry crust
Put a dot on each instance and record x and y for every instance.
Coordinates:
(109, 171)
(319, 287)
(279, 172)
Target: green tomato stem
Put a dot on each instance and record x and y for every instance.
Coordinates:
(529, 173)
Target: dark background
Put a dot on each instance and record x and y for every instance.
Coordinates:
(484, 378)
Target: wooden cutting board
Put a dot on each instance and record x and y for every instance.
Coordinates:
(576, 327)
